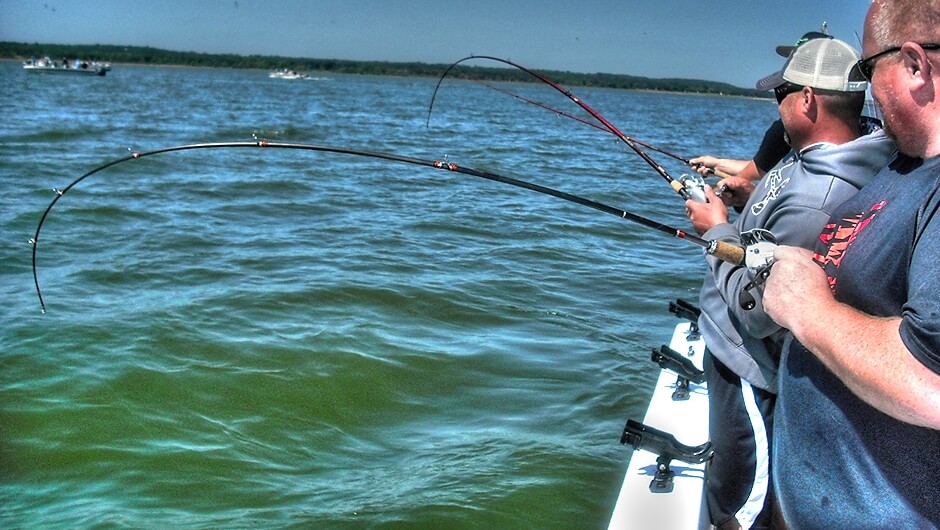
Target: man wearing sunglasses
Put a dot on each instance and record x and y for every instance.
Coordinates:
(772, 148)
(857, 443)
(820, 100)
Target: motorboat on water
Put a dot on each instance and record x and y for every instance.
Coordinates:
(65, 66)
(286, 74)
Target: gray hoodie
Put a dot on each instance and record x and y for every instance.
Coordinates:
(793, 201)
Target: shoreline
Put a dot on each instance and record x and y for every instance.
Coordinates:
(147, 56)
(328, 72)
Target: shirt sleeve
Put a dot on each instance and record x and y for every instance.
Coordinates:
(920, 316)
(791, 225)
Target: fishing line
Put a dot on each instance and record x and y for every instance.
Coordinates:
(679, 187)
(599, 127)
(720, 249)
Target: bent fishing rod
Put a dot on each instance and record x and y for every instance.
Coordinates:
(685, 192)
(720, 249)
(651, 147)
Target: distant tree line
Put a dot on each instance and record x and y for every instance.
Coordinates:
(155, 56)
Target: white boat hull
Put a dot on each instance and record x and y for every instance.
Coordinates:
(683, 508)
(287, 75)
(91, 71)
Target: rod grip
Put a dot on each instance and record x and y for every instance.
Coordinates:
(680, 189)
(727, 252)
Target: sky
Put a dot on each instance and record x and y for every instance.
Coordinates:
(730, 41)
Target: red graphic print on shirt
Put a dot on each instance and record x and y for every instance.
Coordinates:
(836, 238)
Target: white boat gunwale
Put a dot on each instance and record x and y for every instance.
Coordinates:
(682, 507)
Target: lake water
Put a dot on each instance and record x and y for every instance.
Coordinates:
(273, 338)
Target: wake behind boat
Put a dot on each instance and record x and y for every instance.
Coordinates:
(76, 67)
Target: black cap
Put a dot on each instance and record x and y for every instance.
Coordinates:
(785, 51)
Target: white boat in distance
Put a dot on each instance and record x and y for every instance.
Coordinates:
(76, 67)
(286, 74)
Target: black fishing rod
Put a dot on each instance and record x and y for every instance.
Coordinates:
(720, 249)
(676, 185)
(686, 161)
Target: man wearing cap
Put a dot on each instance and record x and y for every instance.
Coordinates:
(820, 98)
(772, 149)
(858, 418)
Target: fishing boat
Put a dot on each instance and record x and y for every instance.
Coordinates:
(76, 67)
(286, 74)
(663, 487)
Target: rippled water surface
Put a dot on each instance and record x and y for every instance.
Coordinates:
(275, 338)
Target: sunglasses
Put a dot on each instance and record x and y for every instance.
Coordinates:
(866, 67)
(784, 90)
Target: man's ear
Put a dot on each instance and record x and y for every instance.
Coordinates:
(808, 102)
(916, 64)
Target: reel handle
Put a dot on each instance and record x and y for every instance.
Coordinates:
(746, 299)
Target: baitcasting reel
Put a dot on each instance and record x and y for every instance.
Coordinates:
(695, 186)
(759, 245)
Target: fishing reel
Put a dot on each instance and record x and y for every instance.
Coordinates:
(694, 186)
(759, 245)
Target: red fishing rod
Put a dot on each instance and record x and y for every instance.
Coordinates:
(679, 187)
(599, 127)
(720, 249)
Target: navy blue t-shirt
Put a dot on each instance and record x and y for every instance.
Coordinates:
(772, 148)
(841, 463)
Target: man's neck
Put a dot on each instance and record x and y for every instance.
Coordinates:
(932, 148)
(835, 132)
